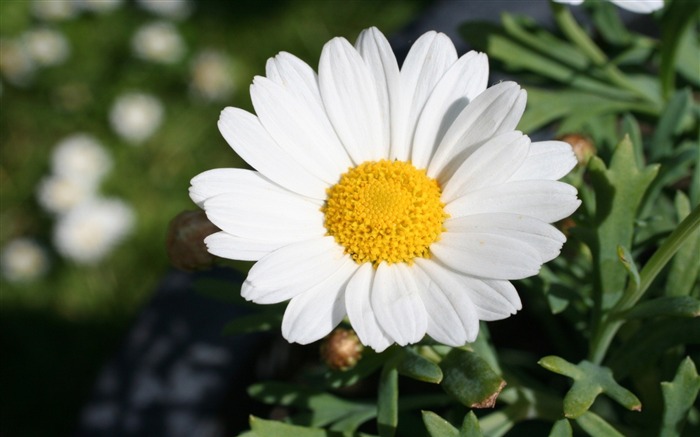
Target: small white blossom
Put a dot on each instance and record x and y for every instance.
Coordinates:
(158, 42)
(638, 6)
(58, 194)
(212, 78)
(136, 116)
(173, 9)
(82, 158)
(87, 233)
(55, 10)
(23, 259)
(46, 46)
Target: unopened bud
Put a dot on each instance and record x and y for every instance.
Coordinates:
(341, 349)
(185, 242)
(583, 148)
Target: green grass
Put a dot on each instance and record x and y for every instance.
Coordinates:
(56, 332)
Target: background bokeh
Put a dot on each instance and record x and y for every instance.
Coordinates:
(63, 65)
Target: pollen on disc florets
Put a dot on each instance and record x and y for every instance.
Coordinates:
(385, 211)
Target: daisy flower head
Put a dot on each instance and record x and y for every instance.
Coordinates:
(402, 198)
(82, 158)
(23, 260)
(136, 116)
(158, 42)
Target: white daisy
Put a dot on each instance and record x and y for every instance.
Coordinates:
(82, 158)
(136, 116)
(16, 63)
(59, 194)
(88, 232)
(638, 6)
(47, 47)
(158, 42)
(55, 10)
(23, 259)
(402, 199)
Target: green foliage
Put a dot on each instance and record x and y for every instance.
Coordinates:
(470, 380)
(679, 396)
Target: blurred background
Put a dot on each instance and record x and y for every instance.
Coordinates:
(107, 109)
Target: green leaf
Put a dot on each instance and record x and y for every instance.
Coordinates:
(677, 18)
(619, 191)
(470, 426)
(655, 337)
(264, 321)
(369, 363)
(324, 408)
(608, 23)
(666, 306)
(685, 267)
(590, 380)
(437, 426)
(679, 396)
(417, 367)
(596, 426)
(628, 262)
(388, 399)
(273, 428)
(687, 61)
(561, 428)
(630, 127)
(670, 122)
(469, 379)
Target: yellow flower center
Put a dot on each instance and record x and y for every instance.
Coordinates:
(385, 211)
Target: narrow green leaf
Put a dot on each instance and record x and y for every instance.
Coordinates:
(619, 191)
(678, 16)
(417, 367)
(590, 380)
(273, 428)
(687, 60)
(561, 428)
(685, 268)
(666, 306)
(388, 398)
(596, 426)
(679, 396)
(669, 124)
(259, 322)
(608, 23)
(470, 426)
(437, 426)
(369, 363)
(470, 380)
(630, 127)
(626, 259)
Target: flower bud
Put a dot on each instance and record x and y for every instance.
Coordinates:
(185, 242)
(341, 349)
(583, 147)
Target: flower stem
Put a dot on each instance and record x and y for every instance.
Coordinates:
(611, 323)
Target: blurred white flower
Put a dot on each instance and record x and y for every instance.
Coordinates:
(46, 46)
(23, 259)
(55, 10)
(59, 194)
(100, 6)
(158, 42)
(638, 6)
(16, 64)
(82, 158)
(212, 78)
(136, 116)
(173, 9)
(87, 233)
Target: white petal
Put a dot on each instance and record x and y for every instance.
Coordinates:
(259, 210)
(427, 61)
(376, 51)
(496, 110)
(298, 78)
(547, 201)
(397, 303)
(640, 6)
(491, 164)
(465, 80)
(244, 249)
(299, 130)
(544, 238)
(350, 98)
(360, 313)
(550, 160)
(490, 256)
(249, 139)
(293, 269)
(313, 314)
(454, 293)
